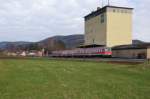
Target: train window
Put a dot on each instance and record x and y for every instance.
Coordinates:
(106, 49)
(100, 50)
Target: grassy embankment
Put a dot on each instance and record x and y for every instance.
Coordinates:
(51, 79)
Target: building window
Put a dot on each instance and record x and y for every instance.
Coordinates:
(93, 41)
(114, 10)
(126, 11)
(102, 18)
(118, 10)
(122, 11)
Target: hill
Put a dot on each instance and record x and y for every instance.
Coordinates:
(13, 45)
(52, 43)
(70, 41)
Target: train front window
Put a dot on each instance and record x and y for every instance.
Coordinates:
(108, 49)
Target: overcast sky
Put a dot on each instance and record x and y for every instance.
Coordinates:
(33, 20)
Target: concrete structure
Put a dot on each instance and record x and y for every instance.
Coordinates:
(140, 51)
(109, 26)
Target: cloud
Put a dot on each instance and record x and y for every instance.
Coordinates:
(34, 20)
(141, 22)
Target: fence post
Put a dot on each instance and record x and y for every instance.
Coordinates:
(148, 61)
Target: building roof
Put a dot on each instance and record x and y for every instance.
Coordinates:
(102, 10)
(119, 7)
(132, 46)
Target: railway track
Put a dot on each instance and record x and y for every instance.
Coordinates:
(107, 60)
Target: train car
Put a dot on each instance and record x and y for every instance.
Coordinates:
(84, 52)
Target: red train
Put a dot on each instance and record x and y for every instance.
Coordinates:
(84, 52)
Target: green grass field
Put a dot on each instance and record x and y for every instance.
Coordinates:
(53, 79)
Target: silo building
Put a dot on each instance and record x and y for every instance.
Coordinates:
(109, 26)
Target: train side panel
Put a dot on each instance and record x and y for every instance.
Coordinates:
(96, 51)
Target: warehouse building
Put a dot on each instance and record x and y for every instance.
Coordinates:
(109, 26)
(139, 51)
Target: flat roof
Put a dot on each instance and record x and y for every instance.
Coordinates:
(102, 10)
(119, 7)
(132, 46)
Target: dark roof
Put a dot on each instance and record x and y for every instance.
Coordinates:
(132, 46)
(102, 10)
(120, 7)
(90, 46)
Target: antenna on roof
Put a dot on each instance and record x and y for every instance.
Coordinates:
(108, 2)
(102, 3)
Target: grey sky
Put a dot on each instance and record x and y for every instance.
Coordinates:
(33, 20)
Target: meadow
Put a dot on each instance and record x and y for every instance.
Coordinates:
(58, 79)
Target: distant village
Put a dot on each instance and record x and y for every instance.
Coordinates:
(32, 53)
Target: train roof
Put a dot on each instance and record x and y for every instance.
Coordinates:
(91, 46)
